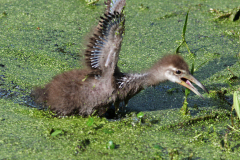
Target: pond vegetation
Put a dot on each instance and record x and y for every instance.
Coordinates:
(41, 39)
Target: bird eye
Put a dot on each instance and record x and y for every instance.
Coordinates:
(178, 72)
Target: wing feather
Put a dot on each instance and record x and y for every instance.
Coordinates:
(104, 47)
(115, 5)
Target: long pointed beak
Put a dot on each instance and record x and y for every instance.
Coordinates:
(185, 81)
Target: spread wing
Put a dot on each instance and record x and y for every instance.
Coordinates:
(104, 47)
(115, 5)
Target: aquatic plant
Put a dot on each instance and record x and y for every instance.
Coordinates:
(184, 108)
(236, 103)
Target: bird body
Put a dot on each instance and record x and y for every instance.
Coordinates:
(102, 83)
(76, 92)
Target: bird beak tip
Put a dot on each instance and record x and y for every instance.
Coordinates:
(186, 83)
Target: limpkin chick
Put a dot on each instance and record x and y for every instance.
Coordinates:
(102, 84)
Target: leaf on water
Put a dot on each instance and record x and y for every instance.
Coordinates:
(236, 103)
(56, 132)
(110, 145)
(91, 2)
(140, 114)
(90, 121)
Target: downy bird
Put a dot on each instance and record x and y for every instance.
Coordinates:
(101, 84)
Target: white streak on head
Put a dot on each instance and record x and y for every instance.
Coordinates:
(169, 73)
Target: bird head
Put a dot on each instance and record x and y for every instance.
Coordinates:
(175, 69)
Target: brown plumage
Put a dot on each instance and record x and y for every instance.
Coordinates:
(102, 84)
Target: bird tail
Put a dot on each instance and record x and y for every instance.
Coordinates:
(115, 6)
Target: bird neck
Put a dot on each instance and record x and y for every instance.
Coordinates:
(156, 74)
(131, 84)
(142, 80)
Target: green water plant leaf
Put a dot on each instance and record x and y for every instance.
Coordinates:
(56, 132)
(90, 121)
(140, 114)
(236, 104)
(91, 2)
(110, 145)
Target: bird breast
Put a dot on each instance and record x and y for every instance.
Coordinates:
(101, 90)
